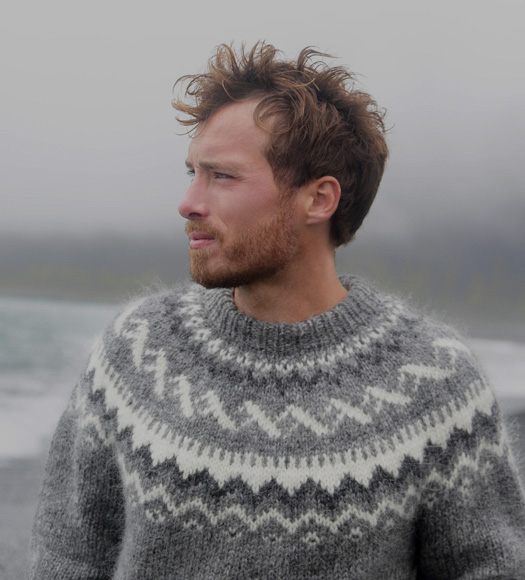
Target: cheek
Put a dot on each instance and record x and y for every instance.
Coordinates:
(248, 206)
(245, 213)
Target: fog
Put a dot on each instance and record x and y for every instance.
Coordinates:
(93, 158)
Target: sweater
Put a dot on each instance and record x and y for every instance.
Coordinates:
(200, 443)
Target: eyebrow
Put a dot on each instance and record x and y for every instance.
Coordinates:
(212, 166)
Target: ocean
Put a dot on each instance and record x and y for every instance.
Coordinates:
(44, 346)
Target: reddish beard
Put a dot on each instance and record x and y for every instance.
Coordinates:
(246, 255)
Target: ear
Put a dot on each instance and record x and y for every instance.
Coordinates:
(323, 198)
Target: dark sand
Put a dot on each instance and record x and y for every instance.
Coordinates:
(20, 484)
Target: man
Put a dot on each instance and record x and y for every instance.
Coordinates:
(276, 421)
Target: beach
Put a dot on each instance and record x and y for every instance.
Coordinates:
(20, 484)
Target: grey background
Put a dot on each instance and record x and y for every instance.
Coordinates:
(93, 168)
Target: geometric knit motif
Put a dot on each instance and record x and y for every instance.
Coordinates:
(202, 443)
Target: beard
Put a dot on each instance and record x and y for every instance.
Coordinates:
(247, 256)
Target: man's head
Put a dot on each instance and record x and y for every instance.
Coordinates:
(241, 227)
(317, 123)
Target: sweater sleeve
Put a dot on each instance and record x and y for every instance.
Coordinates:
(79, 521)
(472, 521)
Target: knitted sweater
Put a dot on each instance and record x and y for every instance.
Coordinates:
(201, 444)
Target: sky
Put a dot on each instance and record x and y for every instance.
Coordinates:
(89, 142)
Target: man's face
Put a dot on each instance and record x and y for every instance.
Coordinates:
(241, 227)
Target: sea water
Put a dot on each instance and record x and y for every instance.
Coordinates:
(44, 346)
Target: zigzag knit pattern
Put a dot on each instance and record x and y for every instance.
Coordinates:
(200, 443)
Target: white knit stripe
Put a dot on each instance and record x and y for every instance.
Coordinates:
(118, 324)
(452, 348)
(295, 417)
(159, 367)
(420, 372)
(102, 438)
(451, 344)
(479, 464)
(389, 397)
(399, 506)
(347, 411)
(137, 333)
(213, 406)
(289, 472)
(89, 422)
(195, 321)
(258, 416)
(182, 390)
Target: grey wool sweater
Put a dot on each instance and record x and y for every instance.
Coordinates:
(203, 444)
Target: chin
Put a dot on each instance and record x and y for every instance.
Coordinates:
(233, 279)
(226, 280)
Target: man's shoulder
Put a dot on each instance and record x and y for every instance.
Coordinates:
(428, 367)
(142, 329)
(418, 339)
(156, 310)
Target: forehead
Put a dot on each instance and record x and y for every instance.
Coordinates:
(230, 132)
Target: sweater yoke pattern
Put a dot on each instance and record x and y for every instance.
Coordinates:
(340, 445)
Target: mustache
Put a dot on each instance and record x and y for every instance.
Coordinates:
(204, 227)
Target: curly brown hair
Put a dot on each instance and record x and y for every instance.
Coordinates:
(319, 124)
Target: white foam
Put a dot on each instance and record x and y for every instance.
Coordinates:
(27, 424)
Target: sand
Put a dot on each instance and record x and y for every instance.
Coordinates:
(20, 484)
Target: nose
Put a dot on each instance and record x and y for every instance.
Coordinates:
(194, 205)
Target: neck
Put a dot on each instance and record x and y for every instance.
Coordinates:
(291, 296)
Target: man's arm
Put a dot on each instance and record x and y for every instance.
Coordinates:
(79, 521)
(472, 523)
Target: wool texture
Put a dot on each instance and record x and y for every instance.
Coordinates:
(363, 443)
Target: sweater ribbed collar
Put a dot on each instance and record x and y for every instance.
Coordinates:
(359, 307)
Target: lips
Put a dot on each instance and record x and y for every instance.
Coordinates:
(201, 234)
(200, 240)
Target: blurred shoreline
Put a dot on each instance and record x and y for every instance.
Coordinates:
(460, 276)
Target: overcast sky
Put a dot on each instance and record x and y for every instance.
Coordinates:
(88, 138)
